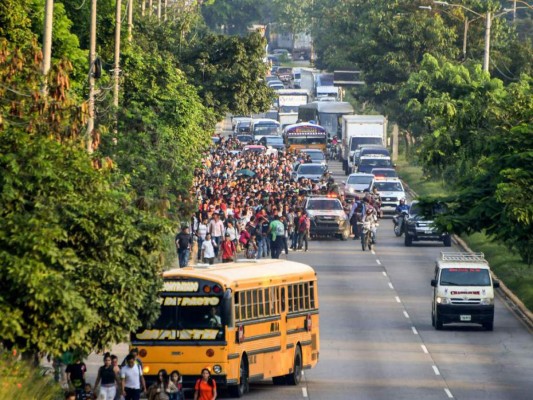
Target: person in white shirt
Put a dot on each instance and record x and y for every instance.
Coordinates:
(132, 379)
(200, 234)
(208, 249)
(216, 229)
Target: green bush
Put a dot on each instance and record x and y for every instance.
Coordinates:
(19, 380)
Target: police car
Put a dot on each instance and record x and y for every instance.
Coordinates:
(391, 192)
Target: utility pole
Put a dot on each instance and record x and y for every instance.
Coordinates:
(150, 7)
(488, 19)
(47, 40)
(166, 6)
(130, 20)
(116, 72)
(92, 58)
(159, 11)
(465, 35)
(143, 7)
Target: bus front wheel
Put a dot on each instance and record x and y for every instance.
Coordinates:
(295, 377)
(237, 391)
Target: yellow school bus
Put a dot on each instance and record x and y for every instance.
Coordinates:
(246, 321)
(305, 135)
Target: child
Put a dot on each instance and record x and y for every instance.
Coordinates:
(251, 248)
(88, 393)
(175, 379)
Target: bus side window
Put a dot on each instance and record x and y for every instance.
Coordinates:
(255, 308)
(282, 299)
(237, 307)
(261, 311)
(312, 294)
(290, 299)
(249, 314)
(301, 297)
(267, 302)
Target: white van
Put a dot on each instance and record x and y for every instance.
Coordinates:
(463, 290)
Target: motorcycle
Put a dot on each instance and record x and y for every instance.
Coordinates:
(367, 235)
(399, 223)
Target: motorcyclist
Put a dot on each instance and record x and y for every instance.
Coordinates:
(377, 201)
(370, 222)
(400, 210)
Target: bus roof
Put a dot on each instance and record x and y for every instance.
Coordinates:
(304, 127)
(332, 107)
(293, 92)
(247, 274)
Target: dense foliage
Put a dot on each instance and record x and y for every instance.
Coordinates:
(83, 237)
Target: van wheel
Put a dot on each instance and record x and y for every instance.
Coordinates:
(438, 322)
(295, 377)
(447, 240)
(489, 325)
(408, 240)
(237, 391)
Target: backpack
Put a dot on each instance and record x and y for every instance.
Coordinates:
(280, 229)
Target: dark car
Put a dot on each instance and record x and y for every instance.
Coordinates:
(420, 228)
(273, 141)
(384, 173)
(245, 139)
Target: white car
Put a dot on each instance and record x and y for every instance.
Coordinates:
(356, 184)
(391, 192)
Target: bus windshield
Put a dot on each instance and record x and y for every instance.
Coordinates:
(330, 122)
(266, 129)
(306, 140)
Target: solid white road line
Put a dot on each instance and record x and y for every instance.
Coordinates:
(379, 262)
(414, 330)
(304, 392)
(398, 299)
(437, 372)
(390, 285)
(406, 315)
(450, 395)
(424, 349)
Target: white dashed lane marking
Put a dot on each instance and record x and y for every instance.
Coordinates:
(390, 285)
(384, 273)
(405, 314)
(448, 393)
(436, 370)
(424, 349)
(414, 330)
(304, 392)
(379, 262)
(398, 299)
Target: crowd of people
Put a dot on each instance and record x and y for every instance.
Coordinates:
(248, 204)
(123, 381)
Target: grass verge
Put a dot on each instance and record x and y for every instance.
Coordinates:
(507, 265)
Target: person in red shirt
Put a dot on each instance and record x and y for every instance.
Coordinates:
(228, 249)
(205, 387)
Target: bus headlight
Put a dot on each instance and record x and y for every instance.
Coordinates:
(487, 301)
(217, 369)
(443, 300)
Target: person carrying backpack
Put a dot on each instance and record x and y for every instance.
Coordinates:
(277, 232)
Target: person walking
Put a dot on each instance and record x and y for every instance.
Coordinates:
(205, 387)
(108, 379)
(208, 250)
(304, 226)
(175, 379)
(228, 249)
(162, 388)
(133, 383)
(183, 246)
(276, 230)
(216, 229)
(76, 376)
(201, 232)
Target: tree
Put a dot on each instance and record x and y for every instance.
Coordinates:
(477, 133)
(79, 262)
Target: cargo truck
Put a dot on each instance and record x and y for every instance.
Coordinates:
(358, 130)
